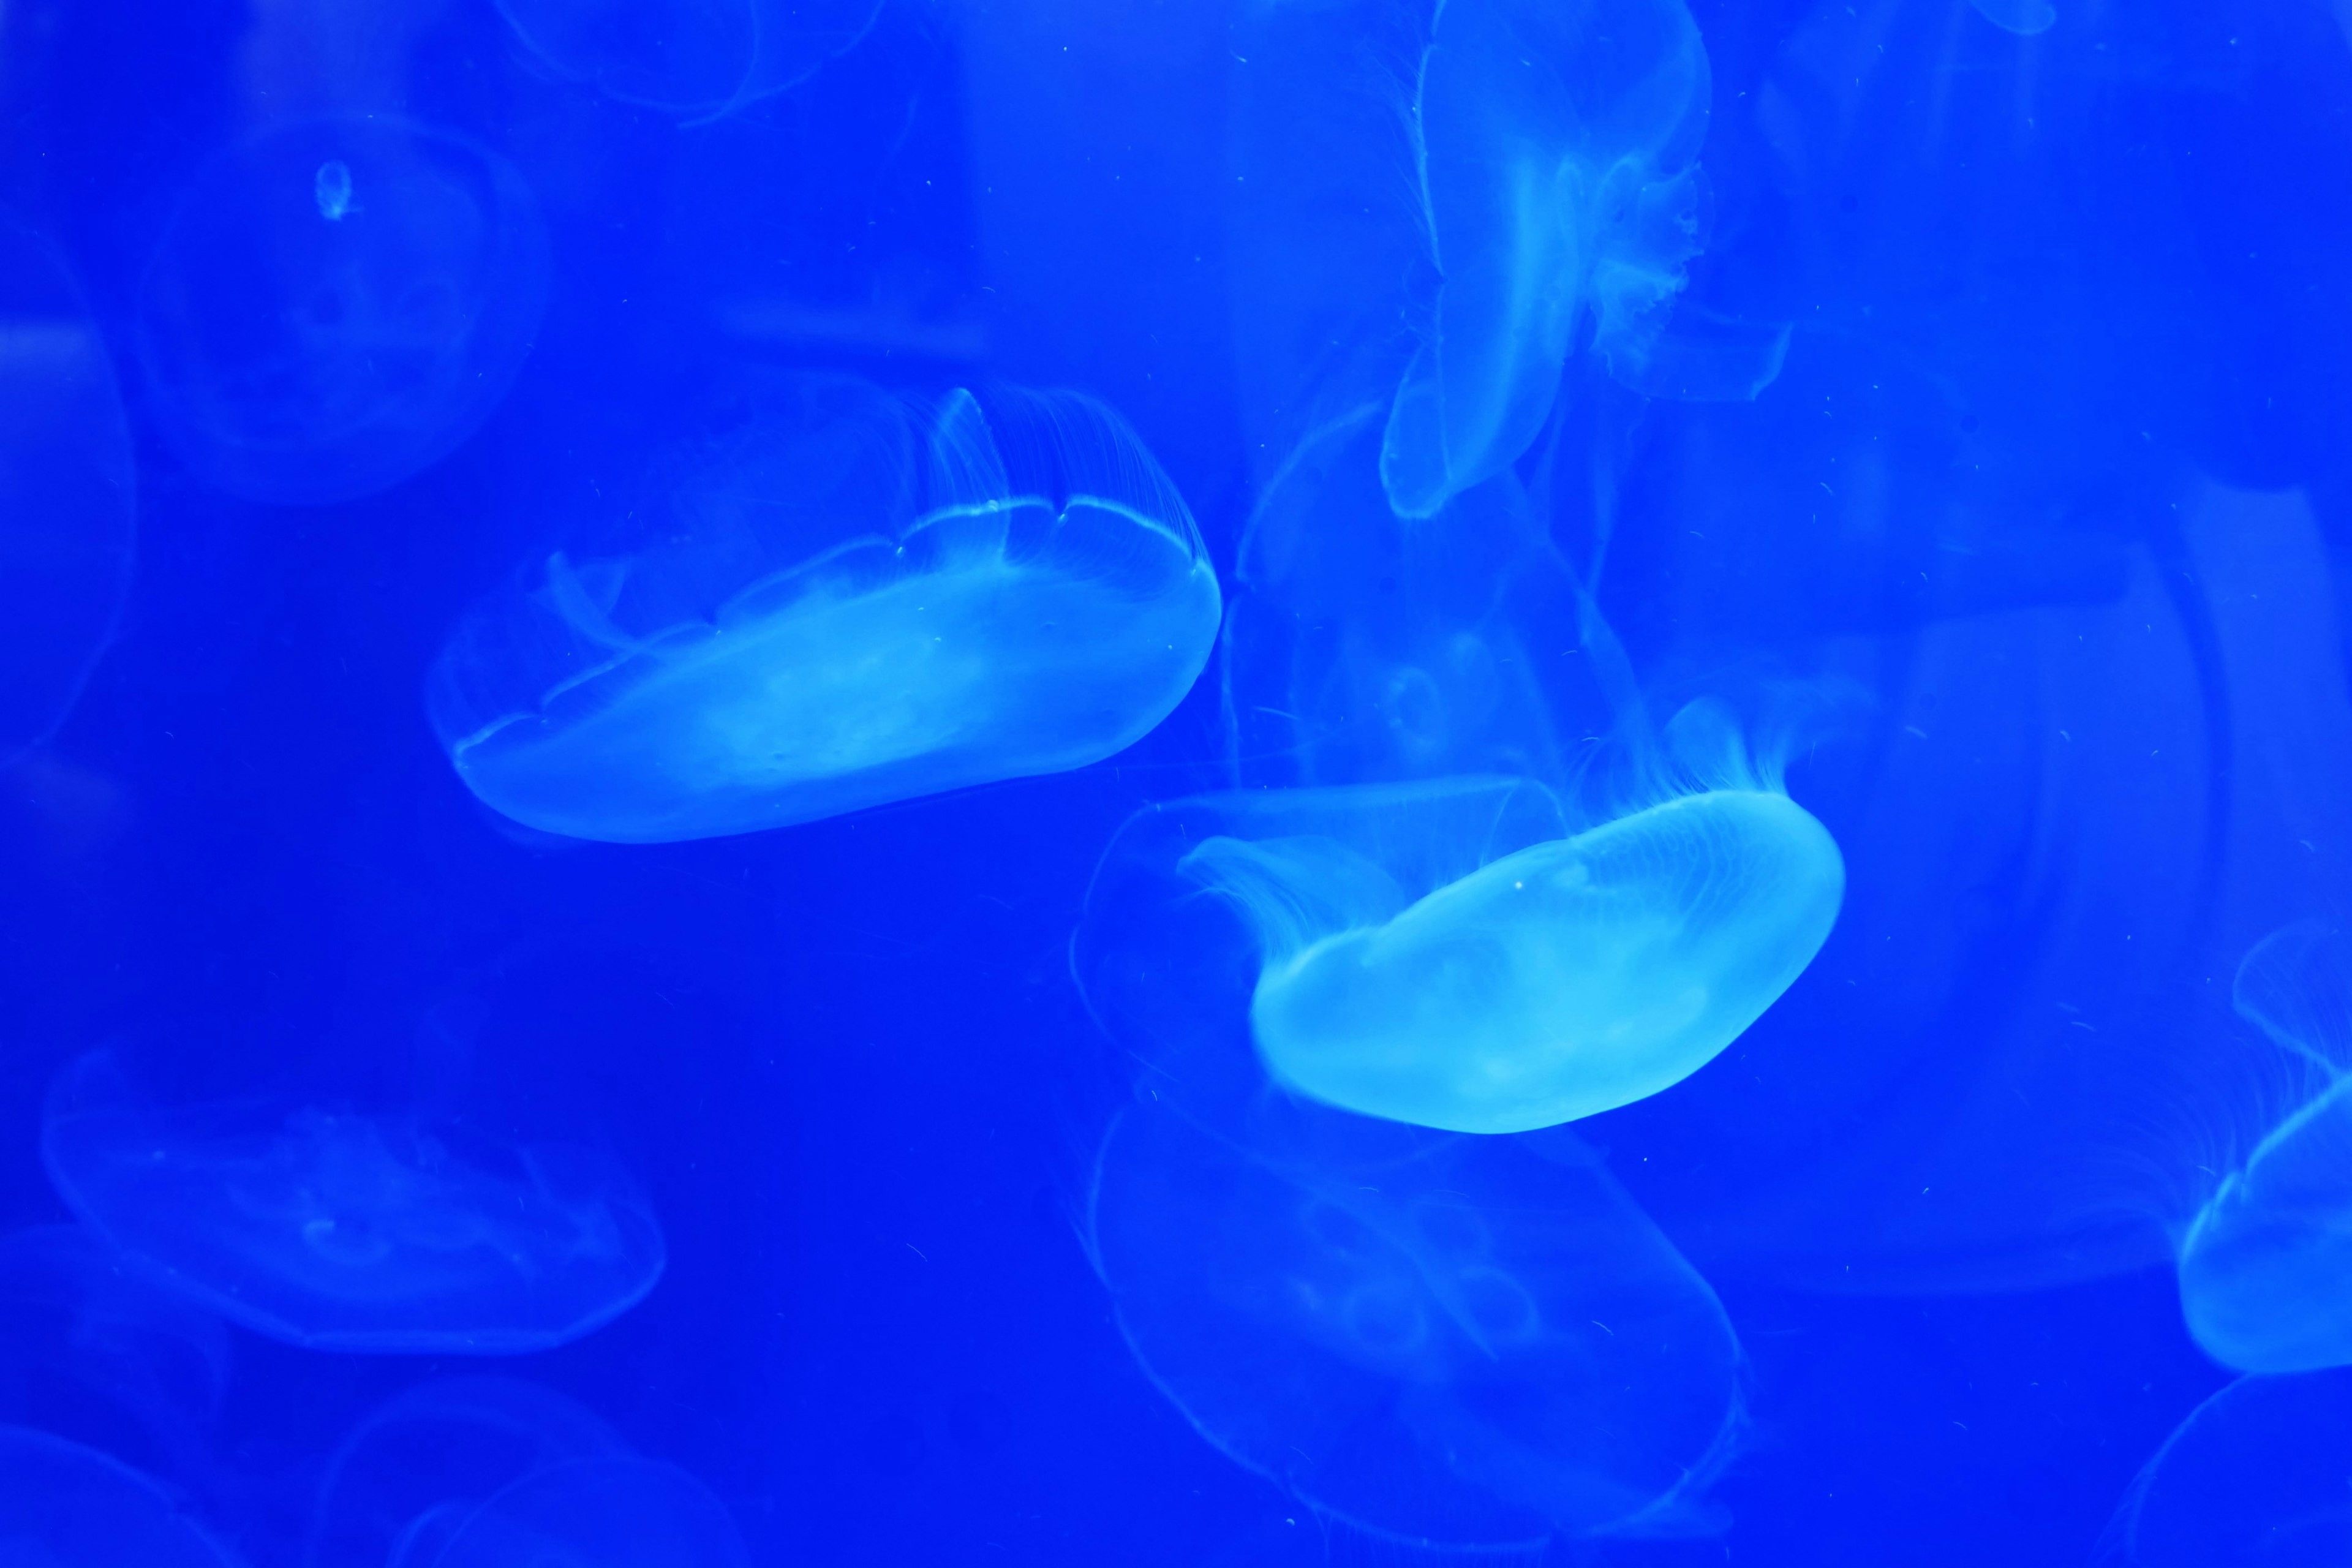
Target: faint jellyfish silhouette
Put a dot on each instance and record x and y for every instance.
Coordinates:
(1438, 1341)
(337, 305)
(697, 59)
(408, 1476)
(66, 488)
(345, 1232)
(1555, 150)
(615, 1511)
(2255, 1476)
(2023, 18)
(66, 1506)
(2266, 1266)
(849, 605)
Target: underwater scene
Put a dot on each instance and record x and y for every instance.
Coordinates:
(1175, 783)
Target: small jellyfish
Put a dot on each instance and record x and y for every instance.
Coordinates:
(1554, 150)
(843, 606)
(2253, 1478)
(337, 305)
(2266, 1266)
(64, 1506)
(618, 1512)
(1442, 1341)
(2023, 18)
(66, 494)
(697, 59)
(338, 1231)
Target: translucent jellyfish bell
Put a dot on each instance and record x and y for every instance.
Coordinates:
(2266, 1266)
(1444, 1342)
(346, 1232)
(1554, 149)
(337, 305)
(66, 492)
(695, 59)
(64, 1506)
(850, 607)
(612, 1512)
(2252, 1478)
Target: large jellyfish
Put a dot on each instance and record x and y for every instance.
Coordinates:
(338, 305)
(2255, 1475)
(66, 492)
(698, 59)
(361, 1232)
(63, 1504)
(1438, 1341)
(618, 1512)
(845, 605)
(2266, 1266)
(1554, 150)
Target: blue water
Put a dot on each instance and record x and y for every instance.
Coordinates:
(1247, 784)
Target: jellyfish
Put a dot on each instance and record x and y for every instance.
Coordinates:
(66, 489)
(61, 1503)
(616, 1511)
(341, 1231)
(2255, 1476)
(698, 61)
(848, 606)
(2266, 1265)
(1554, 150)
(338, 305)
(1445, 1342)
(2023, 18)
(409, 1473)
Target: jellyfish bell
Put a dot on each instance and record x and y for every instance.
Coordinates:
(2255, 1476)
(854, 606)
(608, 1511)
(697, 59)
(337, 305)
(61, 1503)
(335, 1230)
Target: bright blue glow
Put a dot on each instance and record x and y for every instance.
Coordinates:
(1554, 149)
(1444, 1341)
(695, 59)
(337, 305)
(64, 1506)
(613, 1512)
(811, 639)
(340, 1231)
(2253, 1476)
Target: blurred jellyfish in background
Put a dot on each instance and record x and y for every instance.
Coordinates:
(2256, 1475)
(67, 544)
(610, 1512)
(73, 1507)
(2023, 18)
(844, 602)
(336, 1230)
(2266, 1266)
(337, 305)
(405, 1479)
(698, 59)
(1442, 1341)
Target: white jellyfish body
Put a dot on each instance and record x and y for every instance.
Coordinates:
(63, 1503)
(1007, 629)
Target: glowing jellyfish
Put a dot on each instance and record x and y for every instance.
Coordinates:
(1554, 148)
(338, 305)
(695, 58)
(417, 1467)
(66, 492)
(2266, 1266)
(2254, 1477)
(64, 1506)
(1439, 1340)
(2023, 18)
(611, 1512)
(338, 1231)
(848, 606)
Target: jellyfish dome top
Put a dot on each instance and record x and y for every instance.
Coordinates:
(338, 1231)
(697, 59)
(849, 602)
(1442, 1341)
(2266, 1266)
(2253, 1476)
(66, 492)
(614, 1511)
(337, 305)
(66, 1506)
(1555, 149)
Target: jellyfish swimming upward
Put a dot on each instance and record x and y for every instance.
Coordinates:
(339, 1231)
(854, 603)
